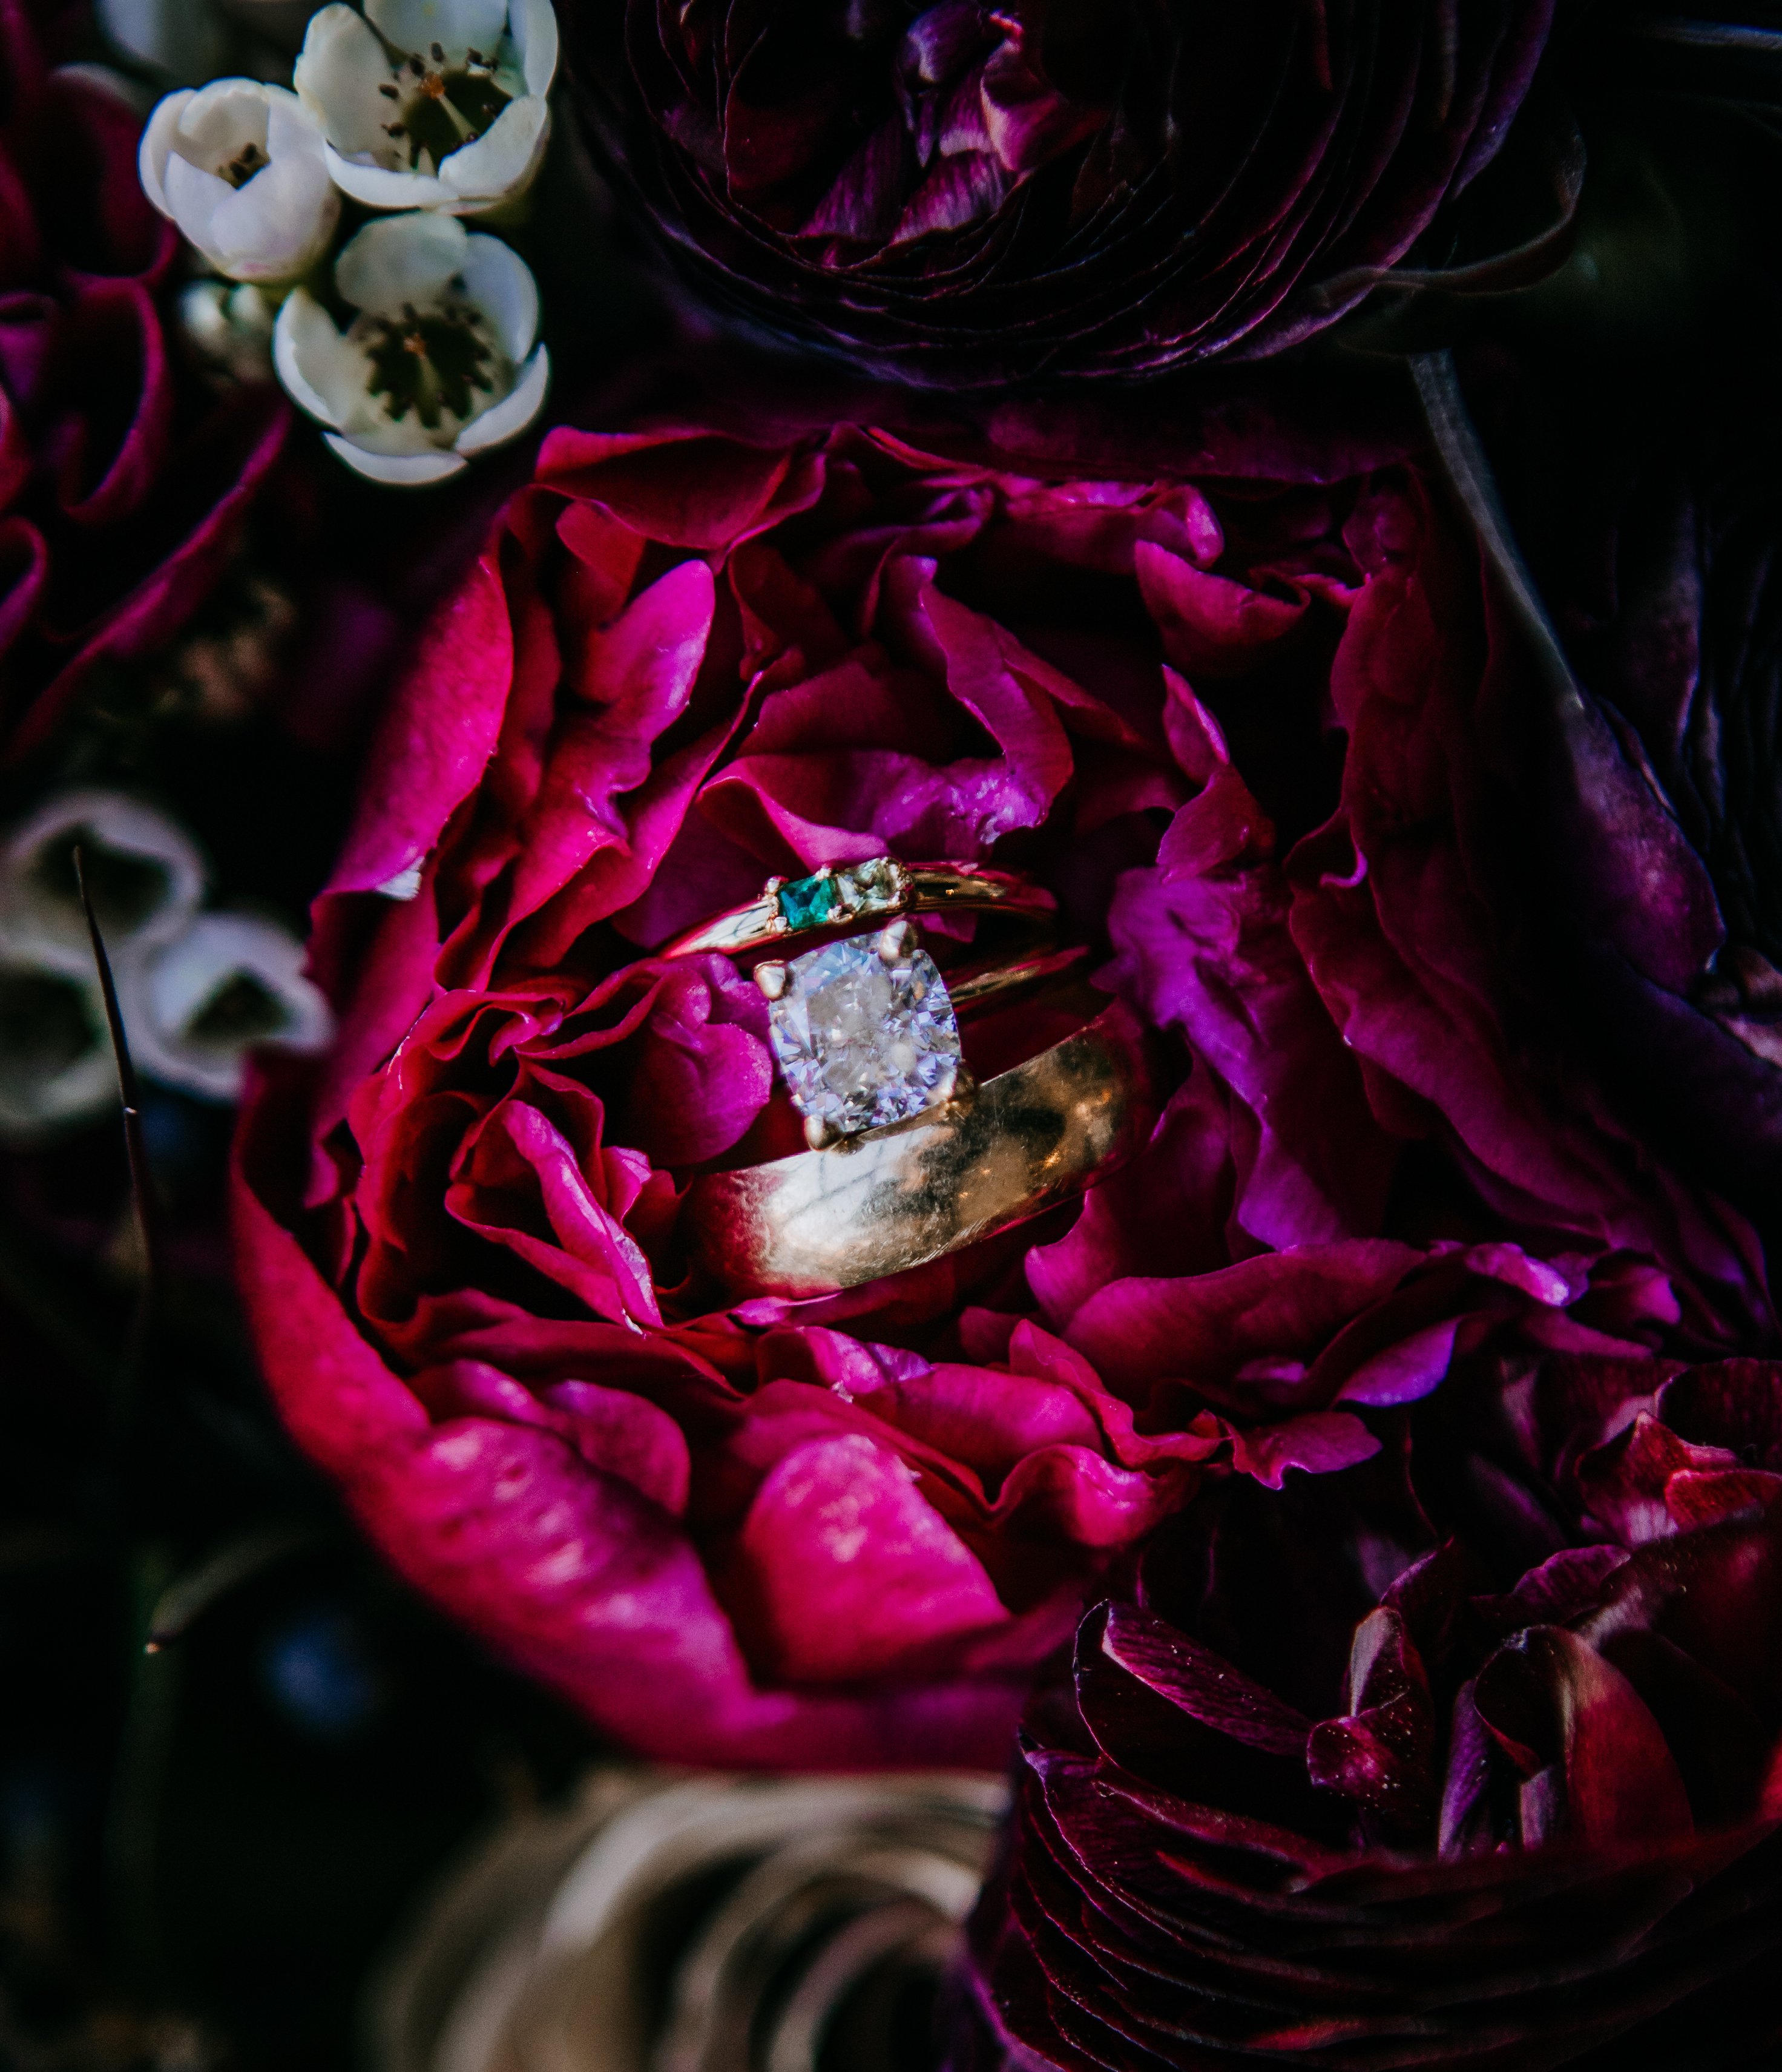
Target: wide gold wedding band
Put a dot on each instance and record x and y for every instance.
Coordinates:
(821, 1221)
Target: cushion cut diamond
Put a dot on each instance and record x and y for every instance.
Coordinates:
(861, 1043)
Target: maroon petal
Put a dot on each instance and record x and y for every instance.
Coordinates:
(1550, 1699)
(1382, 1754)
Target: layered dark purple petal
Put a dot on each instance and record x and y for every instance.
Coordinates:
(960, 193)
(1480, 1823)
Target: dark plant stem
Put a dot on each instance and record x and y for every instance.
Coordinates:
(136, 1151)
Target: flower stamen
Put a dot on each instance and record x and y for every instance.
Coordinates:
(433, 363)
(249, 160)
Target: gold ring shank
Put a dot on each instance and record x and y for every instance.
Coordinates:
(1034, 1135)
(928, 888)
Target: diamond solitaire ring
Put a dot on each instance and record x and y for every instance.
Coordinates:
(865, 1029)
(909, 1157)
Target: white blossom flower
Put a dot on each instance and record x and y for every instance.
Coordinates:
(55, 1059)
(439, 364)
(432, 104)
(143, 871)
(194, 1009)
(239, 166)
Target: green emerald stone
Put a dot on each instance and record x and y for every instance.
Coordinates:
(807, 903)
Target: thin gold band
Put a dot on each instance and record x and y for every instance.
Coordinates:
(923, 888)
(821, 1221)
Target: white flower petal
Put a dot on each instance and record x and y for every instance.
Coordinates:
(144, 870)
(56, 1057)
(320, 372)
(508, 418)
(279, 224)
(500, 284)
(533, 26)
(456, 26)
(503, 159)
(379, 188)
(337, 74)
(400, 259)
(409, 471)
(196, 1008)
(403, 885)
(221, 118)
(193, 197)
(291, 129)
(157, 146)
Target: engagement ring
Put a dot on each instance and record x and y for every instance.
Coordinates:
(909, 1157)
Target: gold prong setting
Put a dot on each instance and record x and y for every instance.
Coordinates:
(897, 942)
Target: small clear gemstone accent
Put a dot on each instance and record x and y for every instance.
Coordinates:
(873, 887)
(860, 1042)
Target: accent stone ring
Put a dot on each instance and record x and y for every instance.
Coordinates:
(874, 890)
(909, 1157)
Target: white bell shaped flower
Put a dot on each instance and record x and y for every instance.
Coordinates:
(432, 104)
(440, 363)
(55, 1059)
(194, 1009)
(144, 873)
(239, 166)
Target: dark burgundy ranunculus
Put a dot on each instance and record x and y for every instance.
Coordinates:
(846, 1530)
(1472, 1756)
(961, 194)
(121, 496)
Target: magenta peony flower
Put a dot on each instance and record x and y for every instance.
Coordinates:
(962, 193)
(1473, 1756)
(846, 1530)
(119, 498)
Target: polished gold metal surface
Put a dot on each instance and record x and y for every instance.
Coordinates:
(821, 1221)
(923, 888)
